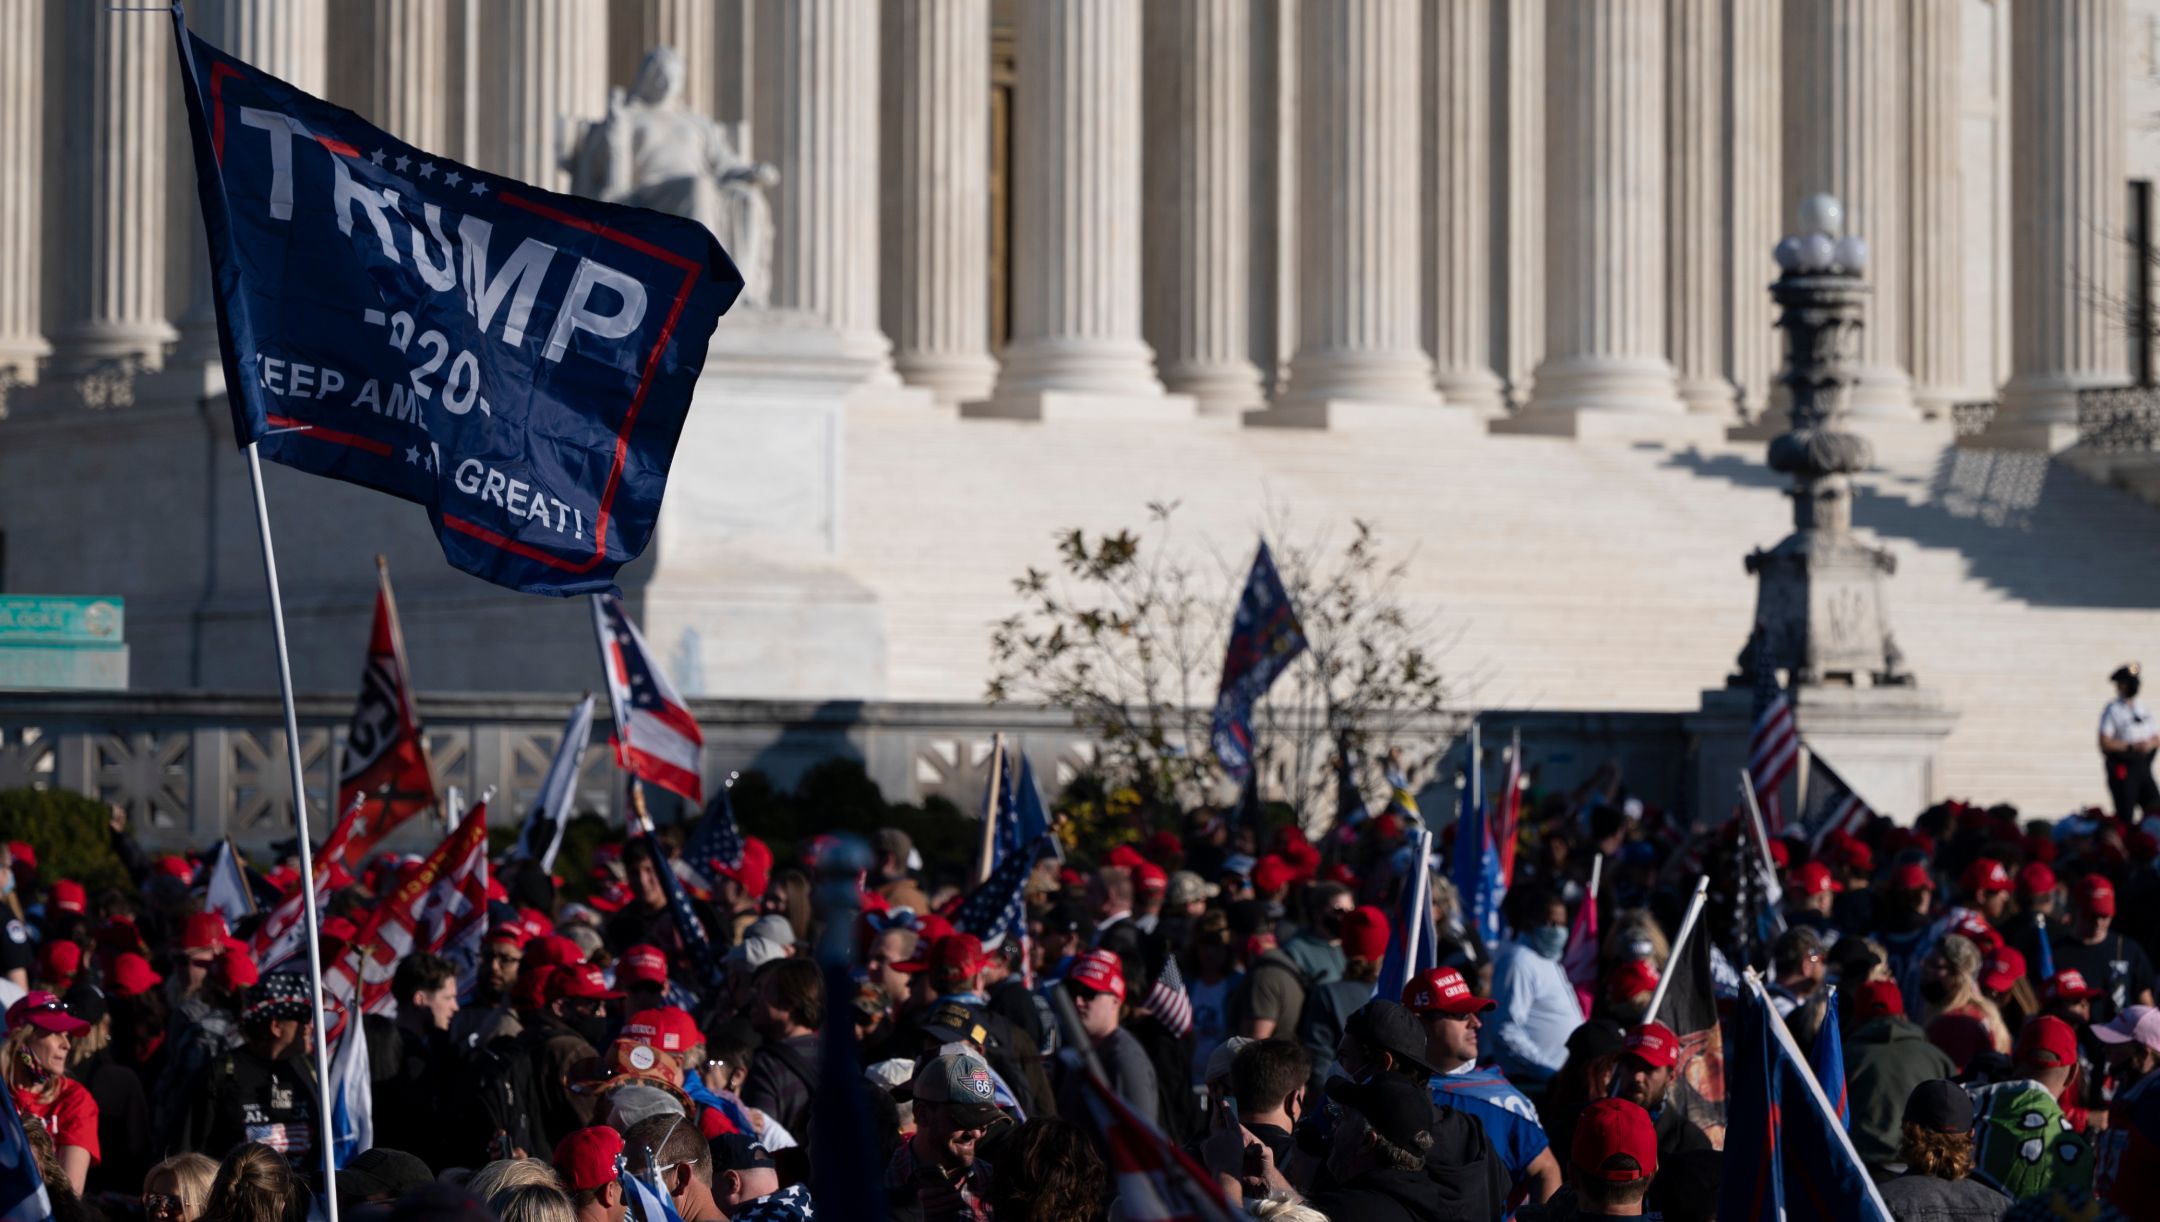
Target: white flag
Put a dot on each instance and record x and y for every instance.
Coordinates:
(352, 1122)
(228, 894)
(541, 837)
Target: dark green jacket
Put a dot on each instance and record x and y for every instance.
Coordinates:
(1884, 1060)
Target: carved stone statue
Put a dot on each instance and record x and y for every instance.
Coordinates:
(652, 152)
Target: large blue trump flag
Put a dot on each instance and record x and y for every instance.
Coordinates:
(1786, 1152)
(519, 362)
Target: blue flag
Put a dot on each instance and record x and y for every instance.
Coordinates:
(352, 1098)
(686, 918)
(1827, 1059)
(517, 361)
(22, 1191)
(1018, 807)
(2046, 947)
(998, 908)
(1476, 859)
(647, 1203)
(541, 836)
(1411, 944)
(1786, 1154)
(1264, 639)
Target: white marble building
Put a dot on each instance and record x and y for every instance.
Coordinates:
(1268, 235)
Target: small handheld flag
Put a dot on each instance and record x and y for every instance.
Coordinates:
(352, 1099)
(1581, 957)
(656, 737)
(518, 362)
(541, 836)
(1827, 1059)
(1264, 639)
(228, 894)
(1773, 738)
(1476, 858)
(385, 760)
(1832, 805)
(1412, 945)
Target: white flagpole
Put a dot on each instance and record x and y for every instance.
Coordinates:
(323, 1112)
(1687, 928)
(996, 801)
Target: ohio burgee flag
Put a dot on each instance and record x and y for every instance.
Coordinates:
(517, 361)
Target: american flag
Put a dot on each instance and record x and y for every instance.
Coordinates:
(998, 909)
(656, 738)
(1774, 743)
(1156, 1181)
(717, 843)
(1832, 806)
(1167, 1001)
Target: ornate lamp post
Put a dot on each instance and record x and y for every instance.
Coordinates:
(1819, 598)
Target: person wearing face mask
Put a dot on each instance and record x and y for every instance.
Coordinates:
(1535, 1005)
(1452, 1015)
(567, 1029)
(1318, 948)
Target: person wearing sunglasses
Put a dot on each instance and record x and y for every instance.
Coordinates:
(178, 1189)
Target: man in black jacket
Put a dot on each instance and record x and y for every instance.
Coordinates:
(788, 1011)
(1377, 1158)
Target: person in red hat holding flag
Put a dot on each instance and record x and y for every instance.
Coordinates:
(1451, 1013)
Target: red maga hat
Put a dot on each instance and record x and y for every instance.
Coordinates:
(2004, 967)
(641, 965)
(131, 975)
(1879, 999)
(586, 1159)
(2046, 1040)
(1912, 876)
(1813, 878)
(45, 1012)
(1098, 971)
(2096, 895)
(1365, 933)
(2035, 878)
(1654, 1044)
(1631, 979)
(582, 982)
(1442, 990)
(1608, 1135)
(1985, 874)
(667, 1028)
(2069, 985)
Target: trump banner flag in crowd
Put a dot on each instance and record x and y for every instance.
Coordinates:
(1264, 639)
(519, 362)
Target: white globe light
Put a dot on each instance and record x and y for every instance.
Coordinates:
(1787, 253)
(1817, 253)
(1822, 213)
(1852, 254)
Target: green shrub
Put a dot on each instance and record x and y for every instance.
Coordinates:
(71, 833)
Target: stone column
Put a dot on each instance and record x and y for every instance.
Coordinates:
(1458, 220)
(545, 62)
(2067, 157)
(285, 38)
(936, 216)
(1696, 218)
(635, 27)
(405, 91)
(817, 106)
(1358, 342)
(1201, 326)
(119, 94)
(1754, 97)
(1519, 214)
(1846, 108)
(1606, 371)
(22, 189)
(1935, 313)
(1076, 344)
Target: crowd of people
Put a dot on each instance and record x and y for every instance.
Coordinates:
(1989, 977)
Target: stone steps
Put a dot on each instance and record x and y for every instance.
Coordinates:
(1580, 575)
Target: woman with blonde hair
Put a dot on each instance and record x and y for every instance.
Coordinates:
(532, 1203)
(35, 1052)
(504, 1174)
(1960, 1019)
(256, 1184)
(178, 1189)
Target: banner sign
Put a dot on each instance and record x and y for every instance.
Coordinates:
(517, 361)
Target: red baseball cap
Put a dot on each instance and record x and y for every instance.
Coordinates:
(1365, 933)
(1780, 855)
(1813, 878)
(131, 975)
(1912, 876)
(21, 851)
(1879, 999)
(1609, 1130)
(1974, 928)
(204, 931)
(2096, 895)
(586, 1159)
(956, 956)
(1634, 977)
(237, 967)
(1655, 1045)
(1856, 855)
(1442, 990)
(59, 962)
(583, 982)
(2046, 1040)
(2035, 878)
(558, 950)
(641, 964)
(1150, 877)
(530, 990)
(67, 895)
(1125, 857)
(2003, 968)
(45, 1012)
(2069, 985)
(179, 867)
(667, 1028)
(1985, 874)
(515, 935)
(1272, 874)
(1098, 971)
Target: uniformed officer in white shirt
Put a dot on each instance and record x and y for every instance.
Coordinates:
(2128, 736)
